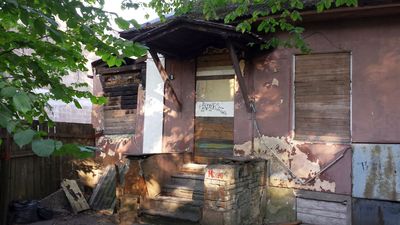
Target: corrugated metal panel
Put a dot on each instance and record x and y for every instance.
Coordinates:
(371, 212)
(375, 173)
(317, 212)
(104, 195)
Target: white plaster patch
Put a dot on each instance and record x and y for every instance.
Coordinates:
(111, 152)
(281, 179)
(275, 82)
(288, 152)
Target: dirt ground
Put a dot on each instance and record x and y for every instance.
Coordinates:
(84, 218)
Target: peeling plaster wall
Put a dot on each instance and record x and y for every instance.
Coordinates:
(305, 161)
(375, 110)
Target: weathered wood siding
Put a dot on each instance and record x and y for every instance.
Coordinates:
(120, 87)
(213, 136)
(23, 175)
(316, 212)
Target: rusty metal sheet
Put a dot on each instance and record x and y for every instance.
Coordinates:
(372, 212)
(375, 171)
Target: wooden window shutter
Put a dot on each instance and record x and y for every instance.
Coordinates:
(322, 97)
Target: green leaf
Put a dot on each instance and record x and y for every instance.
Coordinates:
(22, 102)
(14, 2)
(5, 117)
(75, 151)
(135, 24)
(24, 137)
(77, 104)
(11, 126)
(39, 26)
(8, 91)
(122, 24)
(320, 7)
(45, 147)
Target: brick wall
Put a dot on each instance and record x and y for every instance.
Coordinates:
(234, 193)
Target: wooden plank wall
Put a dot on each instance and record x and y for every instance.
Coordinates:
(24, 175)
(213, 136)
(121, 90)
(322, 97)
(311, 211)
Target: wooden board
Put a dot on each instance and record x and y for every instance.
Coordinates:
(311, 211)
(322, 97)
(74, 196)
(213, 137)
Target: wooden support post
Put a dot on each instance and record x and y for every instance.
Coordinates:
(238, 72)
(164, 76)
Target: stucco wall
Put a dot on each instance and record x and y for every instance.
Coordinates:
(179, 126)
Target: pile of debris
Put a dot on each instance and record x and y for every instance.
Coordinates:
(71, 200)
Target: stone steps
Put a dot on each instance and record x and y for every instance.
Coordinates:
(187, 179)
(195, 193)
(194, 168)
(155, 217)
(180, 201)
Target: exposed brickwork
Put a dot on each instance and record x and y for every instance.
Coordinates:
(233, 193)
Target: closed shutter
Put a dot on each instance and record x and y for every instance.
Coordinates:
(322, 97)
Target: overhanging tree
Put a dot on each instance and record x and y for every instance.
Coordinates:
(42, 40)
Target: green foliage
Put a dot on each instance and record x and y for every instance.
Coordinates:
(266, 16)
(45, 147)
(24, 137)
(40, 42)
(76, 151)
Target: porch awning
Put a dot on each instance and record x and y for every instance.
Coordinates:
(184, 37)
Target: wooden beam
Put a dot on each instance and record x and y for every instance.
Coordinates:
(238, 72)
(114, 70)
(164, 76)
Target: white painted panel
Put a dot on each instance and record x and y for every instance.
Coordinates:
(153, 109)
(214, 109)
(215, 71)
(320, 212)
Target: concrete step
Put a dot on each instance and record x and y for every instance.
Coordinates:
(172, 204)
(187, 179)
(194, 168)
(173, 208)
(195, 193)
(156, 217)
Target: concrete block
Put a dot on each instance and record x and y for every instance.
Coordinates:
(212, 217)
(280, 205)
(128, 211)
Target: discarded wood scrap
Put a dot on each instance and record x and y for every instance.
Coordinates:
(104, 195)
(74, 196)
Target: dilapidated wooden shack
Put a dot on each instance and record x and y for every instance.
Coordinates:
(230, 134)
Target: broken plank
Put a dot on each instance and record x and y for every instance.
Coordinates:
(74, 196)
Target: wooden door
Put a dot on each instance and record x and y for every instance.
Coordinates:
(215, 88)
